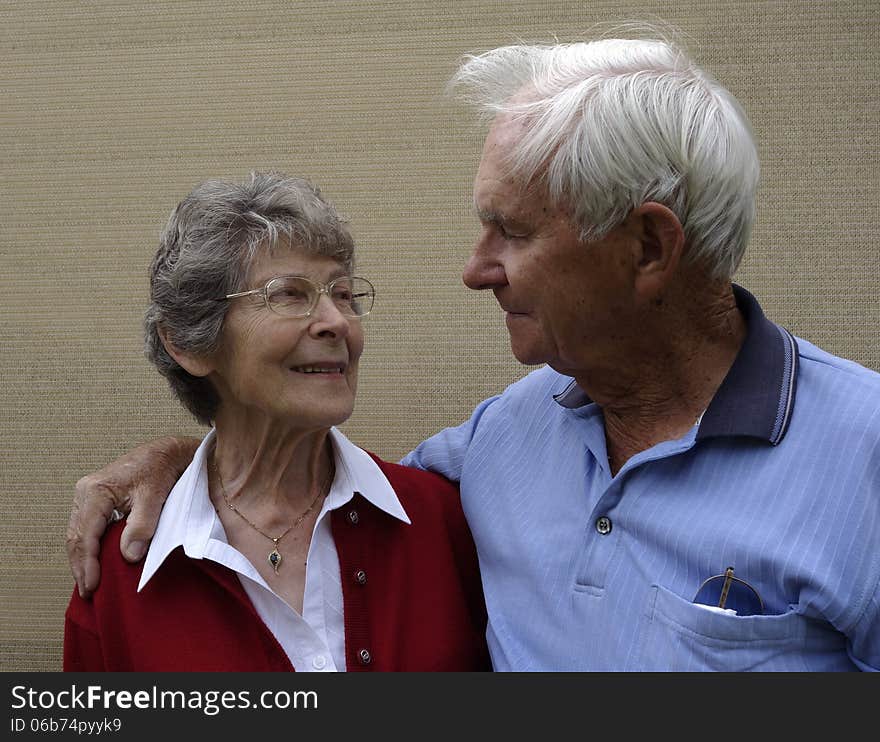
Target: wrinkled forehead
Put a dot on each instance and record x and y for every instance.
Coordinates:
(289, 257)
(337, 243)
(497, 160)
(505, 131)
(498, 187)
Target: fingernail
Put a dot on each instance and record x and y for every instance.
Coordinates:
(135, 550)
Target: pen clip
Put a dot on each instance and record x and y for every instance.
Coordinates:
(725, 588)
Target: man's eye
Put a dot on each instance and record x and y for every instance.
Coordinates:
(509, 233)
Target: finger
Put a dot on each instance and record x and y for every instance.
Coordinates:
(141, 522)
(93, 505)
(78, 561)
(91, 569)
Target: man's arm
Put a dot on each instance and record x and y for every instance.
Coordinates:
(138, 484)
(444, 452)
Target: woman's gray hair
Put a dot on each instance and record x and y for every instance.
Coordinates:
(614, 123)
(205, 252)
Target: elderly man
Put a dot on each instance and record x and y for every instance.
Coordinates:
(684, 485)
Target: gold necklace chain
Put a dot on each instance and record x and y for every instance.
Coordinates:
(274, 557)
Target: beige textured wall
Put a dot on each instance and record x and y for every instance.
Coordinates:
(112, 110)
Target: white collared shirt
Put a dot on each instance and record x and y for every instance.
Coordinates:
(315, 641)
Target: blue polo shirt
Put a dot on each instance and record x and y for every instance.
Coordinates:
(780, 480)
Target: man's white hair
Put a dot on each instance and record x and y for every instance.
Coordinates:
(614, 123)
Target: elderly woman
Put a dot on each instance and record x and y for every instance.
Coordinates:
(283, 546)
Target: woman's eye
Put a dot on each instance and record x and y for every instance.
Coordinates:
(288, 294)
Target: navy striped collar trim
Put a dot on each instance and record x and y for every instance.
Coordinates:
(756, 398)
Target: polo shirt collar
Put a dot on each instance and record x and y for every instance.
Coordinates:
(188, 518)
(757, 396)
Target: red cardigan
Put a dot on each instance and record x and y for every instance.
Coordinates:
(420, 608)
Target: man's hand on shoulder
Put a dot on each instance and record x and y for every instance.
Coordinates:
(136, 484)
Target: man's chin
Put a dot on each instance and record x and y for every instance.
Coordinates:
(526, 355)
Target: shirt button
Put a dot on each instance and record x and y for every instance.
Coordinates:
(353, 517)
(360, 577)
(364, 656)
(603, 525)
(319, 662)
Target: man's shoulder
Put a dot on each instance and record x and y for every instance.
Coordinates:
(846, 376)
(837, 396)
(538, 385)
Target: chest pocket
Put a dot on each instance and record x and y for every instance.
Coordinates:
(684, 637)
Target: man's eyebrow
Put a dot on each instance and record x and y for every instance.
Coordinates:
(500, 219)
(488, 217)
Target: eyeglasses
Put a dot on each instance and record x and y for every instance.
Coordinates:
(727, 591)
(297, 296)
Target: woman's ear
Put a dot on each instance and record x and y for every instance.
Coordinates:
(195, 365)
(662, 246)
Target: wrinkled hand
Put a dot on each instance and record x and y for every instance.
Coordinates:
(136, 484)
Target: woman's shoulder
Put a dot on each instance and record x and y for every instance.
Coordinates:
(114, 568)
(432, 504)
(411, 476)
(422, 492)
(118, 578)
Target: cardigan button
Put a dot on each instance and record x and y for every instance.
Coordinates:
(360, 577)
(353, 517)
(364, 656)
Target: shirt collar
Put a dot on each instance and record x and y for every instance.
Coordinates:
(756, 398)
(357, 473)
(188, 518)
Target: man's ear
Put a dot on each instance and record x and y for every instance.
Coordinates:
(662, 246)
(193, 364)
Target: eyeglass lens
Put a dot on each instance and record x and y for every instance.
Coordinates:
(727, 591)
(296, 296)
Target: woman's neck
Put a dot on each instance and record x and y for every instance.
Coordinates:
(268, 488)
(276, 472)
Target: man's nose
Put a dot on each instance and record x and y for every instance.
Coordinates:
(484, 269)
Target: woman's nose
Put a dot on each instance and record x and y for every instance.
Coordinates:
(327, 317)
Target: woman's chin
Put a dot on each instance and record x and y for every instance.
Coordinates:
(316, 415)
(291, 418)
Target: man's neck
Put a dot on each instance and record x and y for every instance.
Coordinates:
(670, 372)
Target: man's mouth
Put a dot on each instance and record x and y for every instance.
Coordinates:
(510, 310)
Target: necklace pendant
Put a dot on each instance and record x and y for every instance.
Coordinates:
(275, 560)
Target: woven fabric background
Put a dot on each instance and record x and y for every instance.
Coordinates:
(111, 111)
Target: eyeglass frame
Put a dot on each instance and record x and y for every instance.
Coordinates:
(727, 579)
(320, 288)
